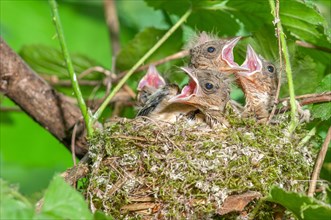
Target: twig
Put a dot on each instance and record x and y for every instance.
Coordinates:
(115, 78)
(307, 101)
(130, 138)
(318, 164)
(310, 134)
(142, 60)
(99, 69)
(284, 49)
(160, 129)
(312, 100)
(73, 138)
(67, 83)
(175, 56)
(307, 96)
(73, 77)
(113, 25)
(275, 12)
(119, 97)
(312, 46)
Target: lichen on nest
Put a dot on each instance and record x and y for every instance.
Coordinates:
(148, 169)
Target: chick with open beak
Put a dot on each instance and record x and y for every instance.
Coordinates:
(259, 85)
(150, 82)
(208, 91)
(154, 94)
(215, 54)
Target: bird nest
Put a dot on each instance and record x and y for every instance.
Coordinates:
(144, 169)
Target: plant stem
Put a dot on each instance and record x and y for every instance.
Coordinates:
(288, 69)
(310, 134)
(141, 61)
(71, 71)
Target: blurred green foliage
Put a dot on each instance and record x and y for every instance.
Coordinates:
(29, 155)
(54, 206)
(302, 206)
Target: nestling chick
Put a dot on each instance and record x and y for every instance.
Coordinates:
(157, 106)
(151, 82)
(208, 91)
(209, 53)
(259, 85)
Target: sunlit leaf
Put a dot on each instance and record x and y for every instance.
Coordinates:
(303, 22)
(61, 201)
(143, 42)
(302, 206)
(323, 110)
(49, 61)
(252, 14)
(207, 15)
(13, 205)
(101, 216)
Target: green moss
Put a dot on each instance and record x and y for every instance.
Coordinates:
(188, 171)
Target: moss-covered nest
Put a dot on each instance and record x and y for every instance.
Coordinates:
(152, 170)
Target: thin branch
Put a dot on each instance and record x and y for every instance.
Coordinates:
(73, 138)
(142, 60)
(99, 69)
(73, 77)
(54, 80)
(275, 12)
(123, 97)
(175, 56)
(314, 95)
(284, 49)
(67, 83)
(307, 101)
(313, 100)
(113, 25)
(312, 46)
(310, 134)
(318, 164)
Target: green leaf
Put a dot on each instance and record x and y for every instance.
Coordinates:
(264, 43)
(222, 23)
(101, 216)
(13, 205)
(322, 110)
(325, 84)
(61, 201)
(207, 15)
(326, 169)
(304, 22)
(252, 14)
(302, 206)
(144, 41)
(49, 61)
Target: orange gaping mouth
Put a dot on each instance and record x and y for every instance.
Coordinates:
(252, 62)
(151, 79)
(227, 55)
(189, 90)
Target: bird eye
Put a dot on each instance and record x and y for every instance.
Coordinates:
(209, 86)
(270, 68)
(210, 49)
